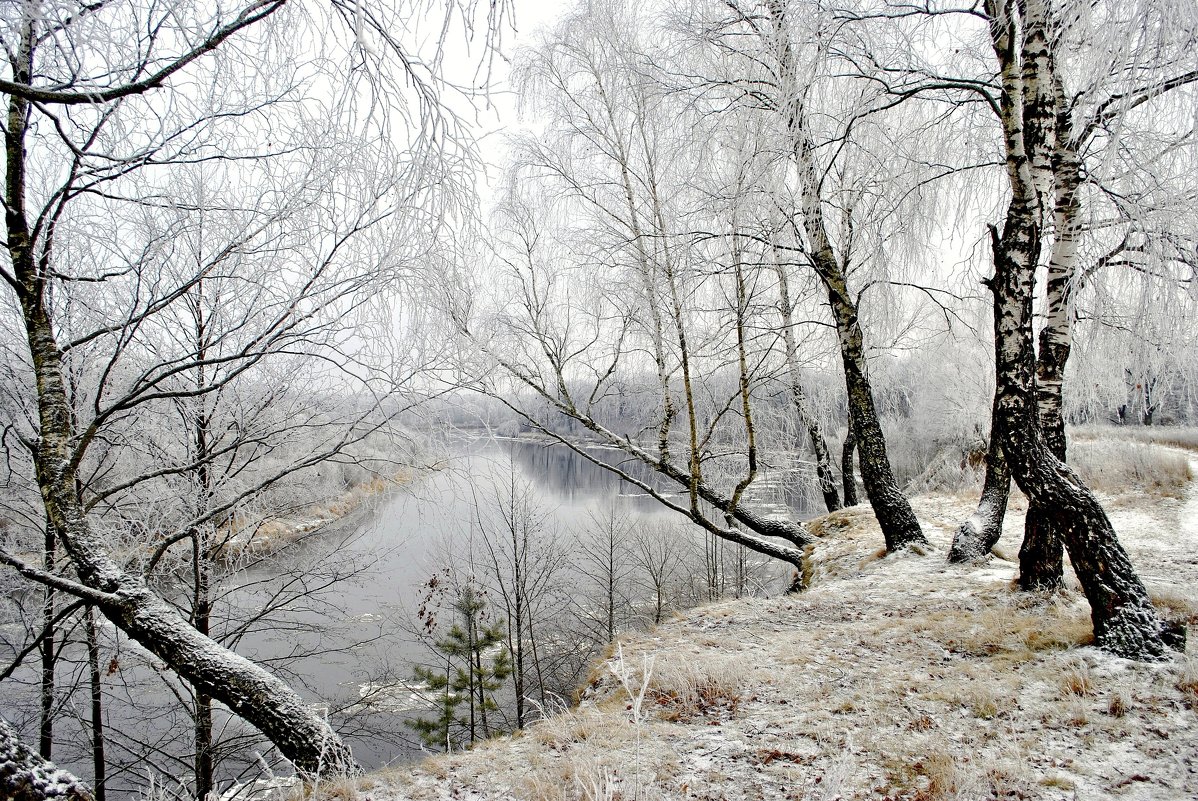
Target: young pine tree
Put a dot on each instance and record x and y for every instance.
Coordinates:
(476, 665)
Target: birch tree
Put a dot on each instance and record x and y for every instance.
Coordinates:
(94, 124)
(1096, 209)
(570, 342)
(1125, 622)
(778, 61)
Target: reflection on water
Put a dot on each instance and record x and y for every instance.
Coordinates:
(348, 647)
(562, 474)
(421, 527)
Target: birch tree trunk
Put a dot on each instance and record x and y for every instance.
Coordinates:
(1041, 563)
(49, 654)
(798, 398)
(981, 532)
(1125, 622)
(848, 472)
(899, 525)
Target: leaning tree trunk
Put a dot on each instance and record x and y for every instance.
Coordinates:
(981, 532)
(25, 776)
(899, 526)
(245, 687)
(895, 516)
(1125, 622)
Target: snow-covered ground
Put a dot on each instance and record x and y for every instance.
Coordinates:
(893, 677)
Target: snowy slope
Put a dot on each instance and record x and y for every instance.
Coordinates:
(896, 677)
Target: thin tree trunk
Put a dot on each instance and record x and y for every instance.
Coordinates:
(848, 473)
(518, 674)
(201, 616)
(25, 776)
(900, 527)
(798, 398)
(895, 515)
(49, 656)
(97, 705)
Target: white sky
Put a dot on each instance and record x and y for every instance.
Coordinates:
(529, 18)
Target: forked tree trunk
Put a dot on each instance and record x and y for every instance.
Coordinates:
(981, 532)
(25, 776)
(1125, 622)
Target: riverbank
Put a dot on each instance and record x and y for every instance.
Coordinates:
(893, 677)
(259, 538)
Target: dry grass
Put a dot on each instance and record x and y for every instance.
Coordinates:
(1012, 629)
(1187, 683)
(568, 729)
(339, 789)
(944, 779)
(1119, 703)
(1174, 605)
(1076, 679)
(683, 691)
(579, 778)
(1172, 436)
(1115, 465)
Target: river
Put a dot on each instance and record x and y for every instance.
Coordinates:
(346, 599)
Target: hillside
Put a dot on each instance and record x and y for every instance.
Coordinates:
(896, 677)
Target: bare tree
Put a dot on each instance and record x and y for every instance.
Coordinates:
(572, 348)
(604, 563)
(73, 98)
(659, 554)
(1125, 622)
(524, 567)
(774, 73)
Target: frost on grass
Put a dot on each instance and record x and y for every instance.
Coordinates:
(892, 677)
